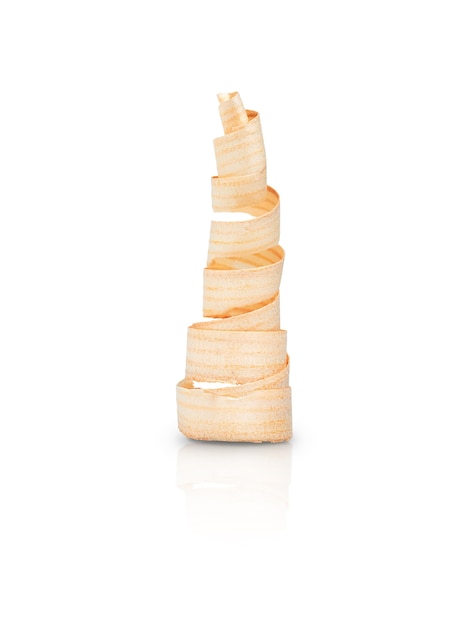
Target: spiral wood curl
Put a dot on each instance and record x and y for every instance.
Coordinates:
(242, 346)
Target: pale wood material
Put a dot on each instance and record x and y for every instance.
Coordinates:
(242, 347)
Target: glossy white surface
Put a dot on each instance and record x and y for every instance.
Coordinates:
(107, 514)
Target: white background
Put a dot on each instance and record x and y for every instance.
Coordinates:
(107, 115)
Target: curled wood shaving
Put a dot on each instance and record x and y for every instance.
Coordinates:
(242, 346)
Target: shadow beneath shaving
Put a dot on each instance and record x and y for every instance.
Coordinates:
(235, 488)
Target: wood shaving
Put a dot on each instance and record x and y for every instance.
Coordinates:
(242, 345)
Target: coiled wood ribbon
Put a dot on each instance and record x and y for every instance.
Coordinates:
(242, 346)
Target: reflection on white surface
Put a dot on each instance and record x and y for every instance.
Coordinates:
(235, 488)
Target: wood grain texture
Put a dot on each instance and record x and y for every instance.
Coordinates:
(242, 347)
